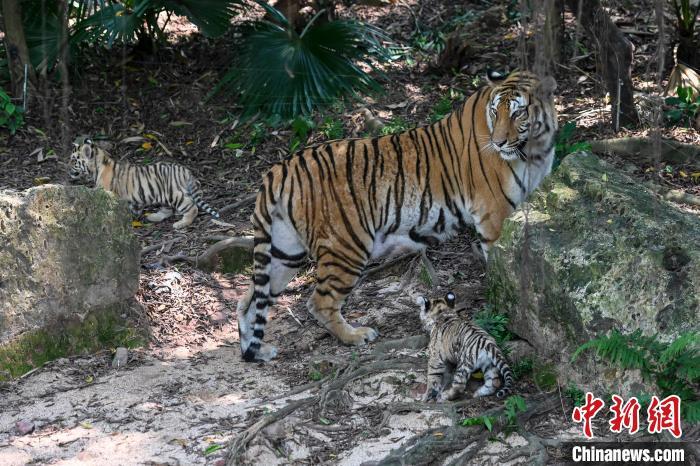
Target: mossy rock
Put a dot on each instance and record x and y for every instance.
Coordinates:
(67, 253)
(595, 249)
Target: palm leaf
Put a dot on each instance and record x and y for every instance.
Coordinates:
(299, 72)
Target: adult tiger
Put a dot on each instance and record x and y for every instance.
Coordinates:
(348, 201)
(168, 185)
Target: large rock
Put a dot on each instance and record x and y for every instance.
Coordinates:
(594, 250)
(65, 252)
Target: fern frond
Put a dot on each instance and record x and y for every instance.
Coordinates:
(691, 411)
(686, 342)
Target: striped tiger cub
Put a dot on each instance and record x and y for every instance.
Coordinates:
(346, 202)
(168, 185)
(458, 348)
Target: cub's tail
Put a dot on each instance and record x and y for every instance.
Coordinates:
(196, 195)
(507, 375)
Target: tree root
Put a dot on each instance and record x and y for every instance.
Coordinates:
(333, 389)
(435, 444)
(242, 203)
(208, 259)
(535, 450)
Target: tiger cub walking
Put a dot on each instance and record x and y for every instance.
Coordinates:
(167, 185)
(460, 345)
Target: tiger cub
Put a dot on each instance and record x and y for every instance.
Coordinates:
(459, 346)
(167, 185)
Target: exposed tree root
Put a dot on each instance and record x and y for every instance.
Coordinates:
(242, 203)
(333, 390)
(435, 444)
(535, 450)
(208, 259)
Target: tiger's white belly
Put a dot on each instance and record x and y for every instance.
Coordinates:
(399, 242)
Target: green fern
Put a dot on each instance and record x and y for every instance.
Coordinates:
(674, 366)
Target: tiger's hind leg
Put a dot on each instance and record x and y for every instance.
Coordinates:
(492, 382)
(459, 384)
(162, 214)
(189, 212)
(336, 279)
(275, 265)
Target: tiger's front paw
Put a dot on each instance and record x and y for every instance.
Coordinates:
(359, 336)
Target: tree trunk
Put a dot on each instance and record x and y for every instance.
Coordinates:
(16, 46)
(615, 59)
(549, 36)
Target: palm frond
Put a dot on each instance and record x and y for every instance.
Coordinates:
(300, 72)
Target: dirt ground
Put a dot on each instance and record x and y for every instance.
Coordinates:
(185, 396)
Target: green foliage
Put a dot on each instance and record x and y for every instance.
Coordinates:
(545, 376)
(564, 146)
(107, 22)
(575, 394)
(486, 421)
(315, 375)
(433, 40)
(396, 125)
(674, 367)
(495, 324)
(522, 368)
(213, 448)
(11, 116)
(301, 126)
(332, 128)
(299, 72)
(424, 276)
(511, 407)
(686, 14)
(684, 108)
(126, 21)
(441, 109)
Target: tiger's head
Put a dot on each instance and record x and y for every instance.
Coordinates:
(83, 161)
(431, 311)
(521, 116)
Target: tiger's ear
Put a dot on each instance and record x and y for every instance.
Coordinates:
(545, 88)
(86, 150)
(450, 299)
(494, 77)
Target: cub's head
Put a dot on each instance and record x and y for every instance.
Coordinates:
(83, 162)
(520, 115)
(432, 310)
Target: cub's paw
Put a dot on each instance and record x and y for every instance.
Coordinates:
(360, 336)
(180, 224)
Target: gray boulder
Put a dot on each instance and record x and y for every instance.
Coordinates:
(594, 250)
(65, 252)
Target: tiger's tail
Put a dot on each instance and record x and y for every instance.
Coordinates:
(196, 194)
(507, 375)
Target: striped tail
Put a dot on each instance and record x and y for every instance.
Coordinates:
(507, 375)
(196, 195)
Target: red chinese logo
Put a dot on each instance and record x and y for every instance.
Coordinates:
(626, 415)
(665, 415)
(587, 412)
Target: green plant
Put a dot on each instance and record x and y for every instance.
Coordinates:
(563, 145)
(395, 125)
(674, 366)
(303, 71)
(575, 394)
(441, 108)
(332, 128)
(522, 368)
(301, 126)
(511, 407)
(684, 107)
(495, 324)
(11, 116)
